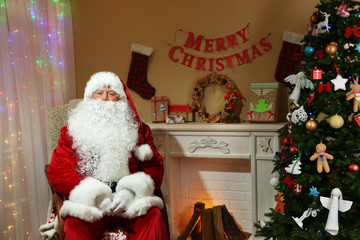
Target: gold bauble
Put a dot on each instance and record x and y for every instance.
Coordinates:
(311, 125)
(292, 106)
(331, 49)
(336, 121)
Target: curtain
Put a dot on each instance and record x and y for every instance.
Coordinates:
(36, 73)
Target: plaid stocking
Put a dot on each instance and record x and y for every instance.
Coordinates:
(289, 58)
(137, 79)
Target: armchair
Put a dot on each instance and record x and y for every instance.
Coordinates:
(57, 118)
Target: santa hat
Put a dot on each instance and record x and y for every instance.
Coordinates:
(104, 79)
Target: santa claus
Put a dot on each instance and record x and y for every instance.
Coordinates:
(107, 166)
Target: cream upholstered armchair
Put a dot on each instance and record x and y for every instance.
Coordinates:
(54, 228)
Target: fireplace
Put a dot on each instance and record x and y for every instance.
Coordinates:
(217, 164)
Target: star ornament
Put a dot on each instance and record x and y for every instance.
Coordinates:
(339, 82)
(314, 192)
(358, 47)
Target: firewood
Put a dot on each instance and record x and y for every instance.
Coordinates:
(218, 223)
(207, 225)
(232, 230)
(194, 220)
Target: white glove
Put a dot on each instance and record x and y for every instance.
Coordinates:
(121, 201)
(104, 204)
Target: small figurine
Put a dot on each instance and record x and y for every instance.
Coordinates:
(322, 157)
(324, 23)
(342, 10)
(355, 93)
(307, 213)
(335, 204)
(280, 205)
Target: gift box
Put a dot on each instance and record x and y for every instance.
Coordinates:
(356, 120)
(159, 108)
(184, 110)
(263, 102)
(316, 74)
(175, 119)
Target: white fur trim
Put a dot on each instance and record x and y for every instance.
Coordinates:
(292, 37)
(139, 183)
(104, 79)
(140, 207)
(79, 210)
(142, 49)
(82, 200)
(144, 152)
(48, 230)
(88, 190)
(143, 186)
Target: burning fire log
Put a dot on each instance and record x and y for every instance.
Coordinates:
(212, 224)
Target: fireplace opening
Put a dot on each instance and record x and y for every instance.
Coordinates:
(215, 182)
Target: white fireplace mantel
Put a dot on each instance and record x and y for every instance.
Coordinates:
(256, 142)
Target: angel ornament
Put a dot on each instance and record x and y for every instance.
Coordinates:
(335, 204)
(300, 82)
(322, 158)
(354, 93)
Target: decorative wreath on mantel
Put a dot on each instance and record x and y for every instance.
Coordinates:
(232, 97)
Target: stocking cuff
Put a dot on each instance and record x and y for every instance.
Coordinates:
(142, 49)
(292, 37)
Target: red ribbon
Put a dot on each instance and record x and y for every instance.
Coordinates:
(270, 115)
(250, 114)
(311, 98)
(289, 182)
(237, 94)
(354, 30)
(327, 86)
(319, 53)
(229, 93)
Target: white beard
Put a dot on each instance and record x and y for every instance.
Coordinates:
(104, 133)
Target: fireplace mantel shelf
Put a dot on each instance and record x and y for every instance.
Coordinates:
(216, 127)
(257, 142)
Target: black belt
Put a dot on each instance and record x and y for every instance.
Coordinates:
(112, 185)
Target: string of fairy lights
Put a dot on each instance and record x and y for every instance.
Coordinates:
(43, 38)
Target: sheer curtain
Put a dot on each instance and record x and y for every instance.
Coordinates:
(36, 73)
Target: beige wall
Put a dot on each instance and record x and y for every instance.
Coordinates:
(104, 31)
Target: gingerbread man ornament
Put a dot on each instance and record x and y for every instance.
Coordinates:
(354, 93)
(322, 158)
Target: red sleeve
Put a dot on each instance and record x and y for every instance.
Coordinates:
(155, 166)
(62, 169)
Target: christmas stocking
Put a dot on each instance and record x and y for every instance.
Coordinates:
(137, 79)
(289, 57)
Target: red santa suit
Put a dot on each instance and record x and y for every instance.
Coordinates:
(141, 174)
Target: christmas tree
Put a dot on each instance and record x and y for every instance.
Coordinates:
(321, 199)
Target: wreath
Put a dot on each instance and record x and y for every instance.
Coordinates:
(233, 99)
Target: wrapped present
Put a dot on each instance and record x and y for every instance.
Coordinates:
(159, 108)
(184, 110)
(263, 102)
(356, 120)
(175, 119)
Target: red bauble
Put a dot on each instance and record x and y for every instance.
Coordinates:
(314, 19)
(354, 167)
(285, 141)
(293, 150)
